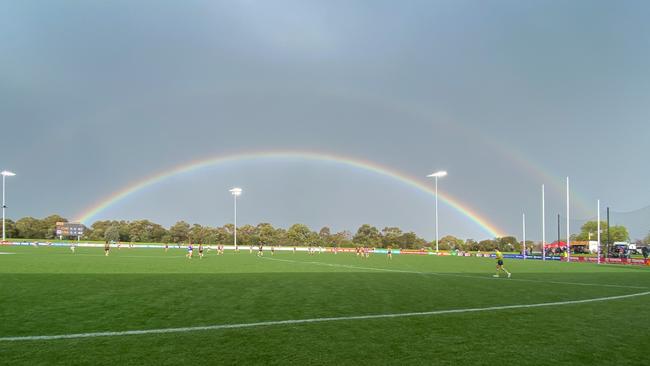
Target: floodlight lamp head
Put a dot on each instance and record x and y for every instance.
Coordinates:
(439, 174)
(7, 173)
(236, 191)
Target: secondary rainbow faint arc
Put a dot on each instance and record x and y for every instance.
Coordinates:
(304, 155)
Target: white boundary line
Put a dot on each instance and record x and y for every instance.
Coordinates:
(114, 255)
(313, 320)
(456, 275)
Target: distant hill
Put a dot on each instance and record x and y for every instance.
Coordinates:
(637, 222)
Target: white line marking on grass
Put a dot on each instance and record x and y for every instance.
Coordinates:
(314, 320)
(117, 255)
(457, 275)
(6, 253)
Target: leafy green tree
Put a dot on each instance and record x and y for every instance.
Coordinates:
(135, 235)
(325, 231)
(167, 238)
(10, 229)
(367, 235)
(299, 234)
(179, 232)
(325, 236)
(30, 228)
(98, 228)
(48, 225)
(280, 236)
(247, 235)
(589, 231)
(199, 234)
(266, 234)
(145, 231)
(88, 232)
(508, 244)
(230, 231)
(471, 244)
(123, 228)
(392, 237)
(156, 232)
(138, 231)
(112, 233)
(220, 235)
(442, 245)
(314, 239)
(449, 242)
(341, 239)
(410, 241)
(487, 245)
(616, 233)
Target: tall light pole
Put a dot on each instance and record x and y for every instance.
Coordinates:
(543, 226)
(598, 227)
(568, 229)
(5, 173)
(437, 175)
(236, 192)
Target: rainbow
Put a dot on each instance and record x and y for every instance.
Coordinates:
(506, 151)
(97, 208)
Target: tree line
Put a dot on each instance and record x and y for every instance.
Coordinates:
(145, 231)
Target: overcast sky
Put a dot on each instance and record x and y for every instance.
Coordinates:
(505, 95)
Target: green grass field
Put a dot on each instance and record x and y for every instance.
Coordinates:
(50, 291)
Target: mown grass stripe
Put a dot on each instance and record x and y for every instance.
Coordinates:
(457, 275)
(314, 320)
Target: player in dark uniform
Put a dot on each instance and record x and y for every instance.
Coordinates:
(107, 248)
(200, 251)
(260, 252)
(390, 253)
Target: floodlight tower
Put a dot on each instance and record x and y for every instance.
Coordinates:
(236, 192)
(5, 173)
(436, 175)
(543, 226)
(598, 227)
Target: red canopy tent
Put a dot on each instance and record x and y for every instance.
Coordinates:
(556, 244)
